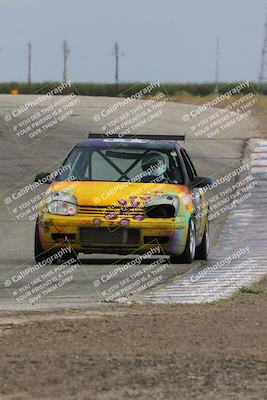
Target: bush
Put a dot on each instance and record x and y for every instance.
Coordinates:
(123, 89)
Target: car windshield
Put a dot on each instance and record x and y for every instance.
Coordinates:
(122, 165)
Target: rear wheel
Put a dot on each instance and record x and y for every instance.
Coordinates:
(202, 251)
(190, 248)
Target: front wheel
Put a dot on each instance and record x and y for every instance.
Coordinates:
(39, 253)
(190, 248)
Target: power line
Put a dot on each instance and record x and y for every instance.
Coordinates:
(66, 52)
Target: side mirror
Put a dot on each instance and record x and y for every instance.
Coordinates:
(200, 182)
(43, 177)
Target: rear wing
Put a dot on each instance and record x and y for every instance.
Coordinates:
(167, 137)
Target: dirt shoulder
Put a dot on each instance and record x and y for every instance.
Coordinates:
(215, 351)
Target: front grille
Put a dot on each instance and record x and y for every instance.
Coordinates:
(102, 211)
(91, 237)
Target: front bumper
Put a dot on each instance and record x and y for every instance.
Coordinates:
(85, 236)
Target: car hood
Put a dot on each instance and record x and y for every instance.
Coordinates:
(105, 193)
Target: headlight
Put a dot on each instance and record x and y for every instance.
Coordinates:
(62, 208)
(161, 211)
(61, 203)
(166, 206)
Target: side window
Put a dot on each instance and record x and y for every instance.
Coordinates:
(189, 166)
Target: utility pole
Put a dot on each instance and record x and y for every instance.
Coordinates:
(66, 52)
(263, 57)
(29, 64)
(117, 53)
(217, 72)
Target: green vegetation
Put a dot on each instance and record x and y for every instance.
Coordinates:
(123, 89)
(255, 289)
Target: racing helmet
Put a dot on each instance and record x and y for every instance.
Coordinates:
(154, 164)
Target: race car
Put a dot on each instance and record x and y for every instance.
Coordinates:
(125, 196)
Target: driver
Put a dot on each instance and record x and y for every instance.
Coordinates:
(154, 168)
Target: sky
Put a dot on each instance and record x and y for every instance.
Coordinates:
(166, 40)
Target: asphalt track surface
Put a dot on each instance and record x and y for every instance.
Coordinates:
(20, 161)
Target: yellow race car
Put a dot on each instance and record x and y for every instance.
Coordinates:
(125, 196)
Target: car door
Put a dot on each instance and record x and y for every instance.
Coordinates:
(197, 195)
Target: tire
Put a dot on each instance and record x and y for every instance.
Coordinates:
(190, 248)
(202, 251)
(39, 253)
